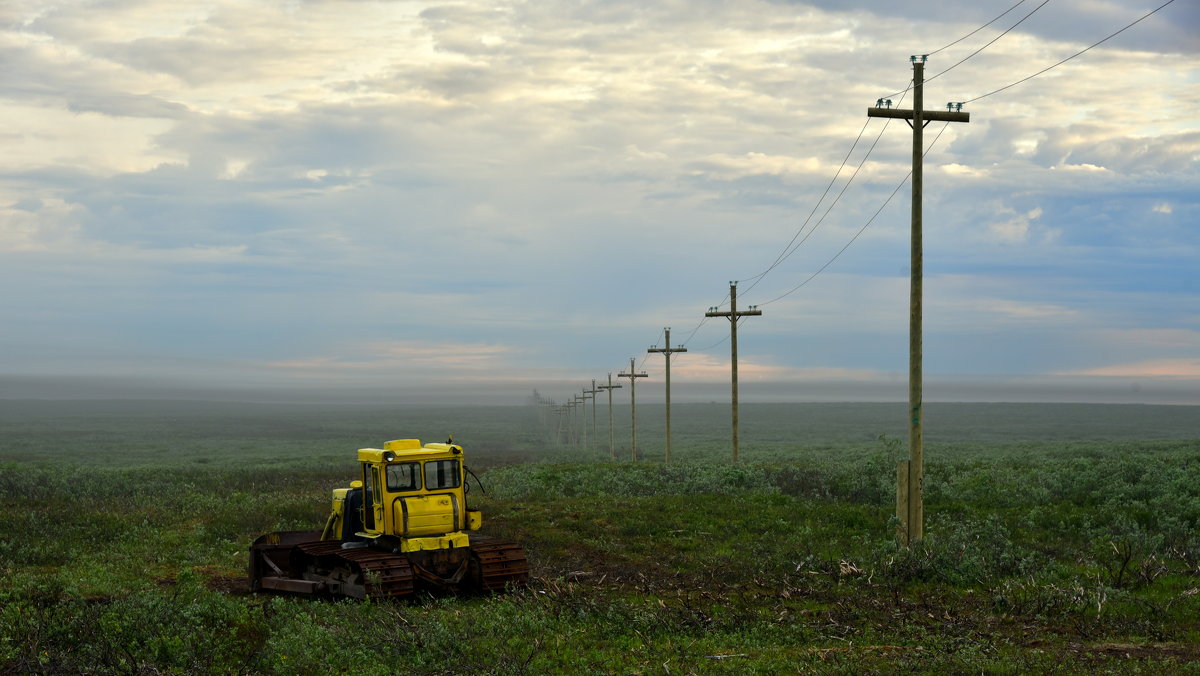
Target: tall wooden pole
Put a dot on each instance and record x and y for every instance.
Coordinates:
(667, 351)
(913, 517)
(733, 316)
(612, 449)
(916, 431)
(632, 376)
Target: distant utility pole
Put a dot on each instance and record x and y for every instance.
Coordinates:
(633, 376)
(911, 512)
(568, 422)
(734, 315)
(593, 392)
(575, 421)
(583, 415)
(569, 405)
(666, 352)
(561, 414)
(612, 450)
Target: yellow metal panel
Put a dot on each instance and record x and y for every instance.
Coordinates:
(474, 519)
(370, 455)
(402, 445)
(337, 517)
(448, 541)
(420, 515)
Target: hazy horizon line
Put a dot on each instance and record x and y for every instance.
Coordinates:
(942, 389)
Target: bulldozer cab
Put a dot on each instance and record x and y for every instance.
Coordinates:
(412, 492)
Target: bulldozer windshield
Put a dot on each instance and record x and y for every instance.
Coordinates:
(404, 477)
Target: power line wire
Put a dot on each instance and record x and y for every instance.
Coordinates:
(989, 44)
(706, 349)
(693, 333)
(782, 254)
(1085, 49)
(1001, 15)
(860, 230)
(793, 245)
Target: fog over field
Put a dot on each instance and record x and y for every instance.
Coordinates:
(650, 391)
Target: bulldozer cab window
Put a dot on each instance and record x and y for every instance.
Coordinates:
(441, 474)
(404, 477)
(372, 499)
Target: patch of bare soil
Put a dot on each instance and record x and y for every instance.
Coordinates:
(1183, 652)
(227, 584)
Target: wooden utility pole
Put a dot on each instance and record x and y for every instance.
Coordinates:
(913, 516)
(633, 376)
(583, 415)
(569, 414)
(575, 403)
(561, 414)
(570, 405)
(612, 450)
(734, 315)
(595, 390)
(667, 352)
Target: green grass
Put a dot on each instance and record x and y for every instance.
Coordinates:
(1068, 545)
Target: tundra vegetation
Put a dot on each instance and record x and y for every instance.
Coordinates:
(1060, 539)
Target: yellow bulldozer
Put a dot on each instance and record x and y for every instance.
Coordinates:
(405, 525)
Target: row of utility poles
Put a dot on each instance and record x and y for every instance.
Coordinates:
(910, 474)
(568, 408)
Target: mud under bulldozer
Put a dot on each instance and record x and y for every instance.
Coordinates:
(403, 527)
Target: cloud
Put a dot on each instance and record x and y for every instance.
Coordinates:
(1180, 369)
(1015, 229)
(712, 368)
(253, 183)
(1018, 310)
(383, 360)
(1186, 339)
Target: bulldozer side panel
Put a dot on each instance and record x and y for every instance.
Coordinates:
(420, 515)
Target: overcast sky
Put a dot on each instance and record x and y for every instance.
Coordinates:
(335, 193)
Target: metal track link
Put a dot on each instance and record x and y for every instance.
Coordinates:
(501, 562)
(386, 575)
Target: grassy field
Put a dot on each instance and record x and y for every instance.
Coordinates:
(1061, 539)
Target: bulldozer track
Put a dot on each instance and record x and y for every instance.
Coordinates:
(501, 562)
(386, 575)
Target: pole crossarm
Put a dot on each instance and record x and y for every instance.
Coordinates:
(926, 115)
(668, 350)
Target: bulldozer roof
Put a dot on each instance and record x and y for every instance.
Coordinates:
(410, 448)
